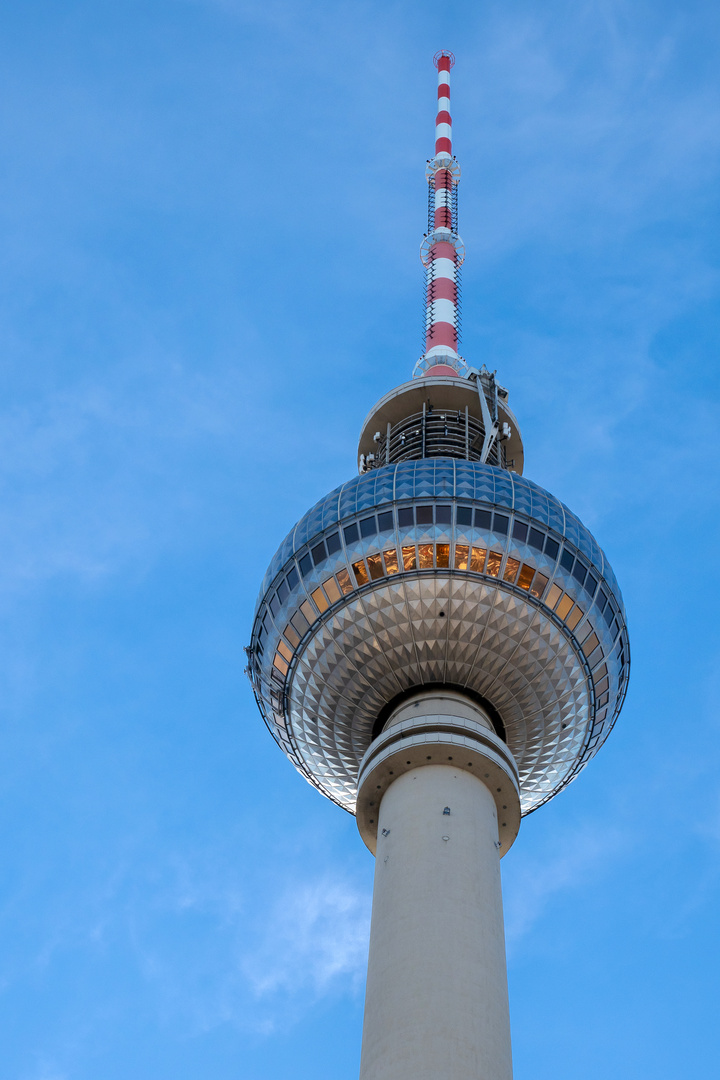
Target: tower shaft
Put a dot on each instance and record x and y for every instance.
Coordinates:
(436, 1000)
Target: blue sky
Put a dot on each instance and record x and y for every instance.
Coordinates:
(211, 212)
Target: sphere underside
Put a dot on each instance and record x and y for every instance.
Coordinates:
(440, 573)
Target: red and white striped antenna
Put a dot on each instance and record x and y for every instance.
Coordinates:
(442, 251)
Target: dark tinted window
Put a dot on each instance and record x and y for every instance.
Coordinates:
(305, 565)
(601, 601)
(520, 531)
(424, 515)
(283, 592)
(482, 519)
(351, 534)
(333, 543)
(368, 526)
(292, 579)
(567, 559)
(536, 539)
(609, 614)
(319, 553)
(590, 584)
(274, 605)
(386, 520)
(551, 548)
(406, 516)
(501, 524)
(464, 515)
(579, 572)
(442, 515)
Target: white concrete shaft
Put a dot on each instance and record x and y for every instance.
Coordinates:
(436, 1002)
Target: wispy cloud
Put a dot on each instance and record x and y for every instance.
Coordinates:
(315, 937)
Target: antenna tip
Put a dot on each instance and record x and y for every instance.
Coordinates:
(443, 54)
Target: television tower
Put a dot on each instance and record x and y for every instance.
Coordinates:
(439, 647)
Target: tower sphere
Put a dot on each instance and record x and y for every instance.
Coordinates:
(438, 571)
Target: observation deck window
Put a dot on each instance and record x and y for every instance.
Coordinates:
(536, 539)
(590, 585)
(361, 574)
(579, 572)
(293, 579)
(501, 524)
(554, 594)
(406, 516)
(425, 554)
(464, 515)
(511, 569)
(344, 581)
(462, 552)
(424, 515)
(375, 566)
(333, 543)
(538, 585)
(443, 515)
(551, 548)
(409, 558)
(482, 519)
(477, 559)
(601, 601)
(442, 555)
(520, 531)
(351, 533)
(385, 521)
(391, 561)
(319, 553)
(526, 575)
(331, 588)
(368, 526)
(319, 599)
(574, 617)
(493, 563)
(564, 606)
(305, 565)
(567, 559)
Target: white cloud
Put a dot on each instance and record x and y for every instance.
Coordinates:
(315, 936)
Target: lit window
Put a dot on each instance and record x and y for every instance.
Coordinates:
(443, 555)
(320, 600)
(345, 582)
(493, 563)
(574, 617)
(292, 635)
(280, 664)
(306, 608)
(285, 651)
(461, 556)
(391, 561)
(553, 596)
(538, 585)
(511, 568)
(564, 606)
(375, 566)
(425, 553)
(331, 588)
(526, 576)
(408, 557)
(361, 575)
(591, 642)
(477, 559)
